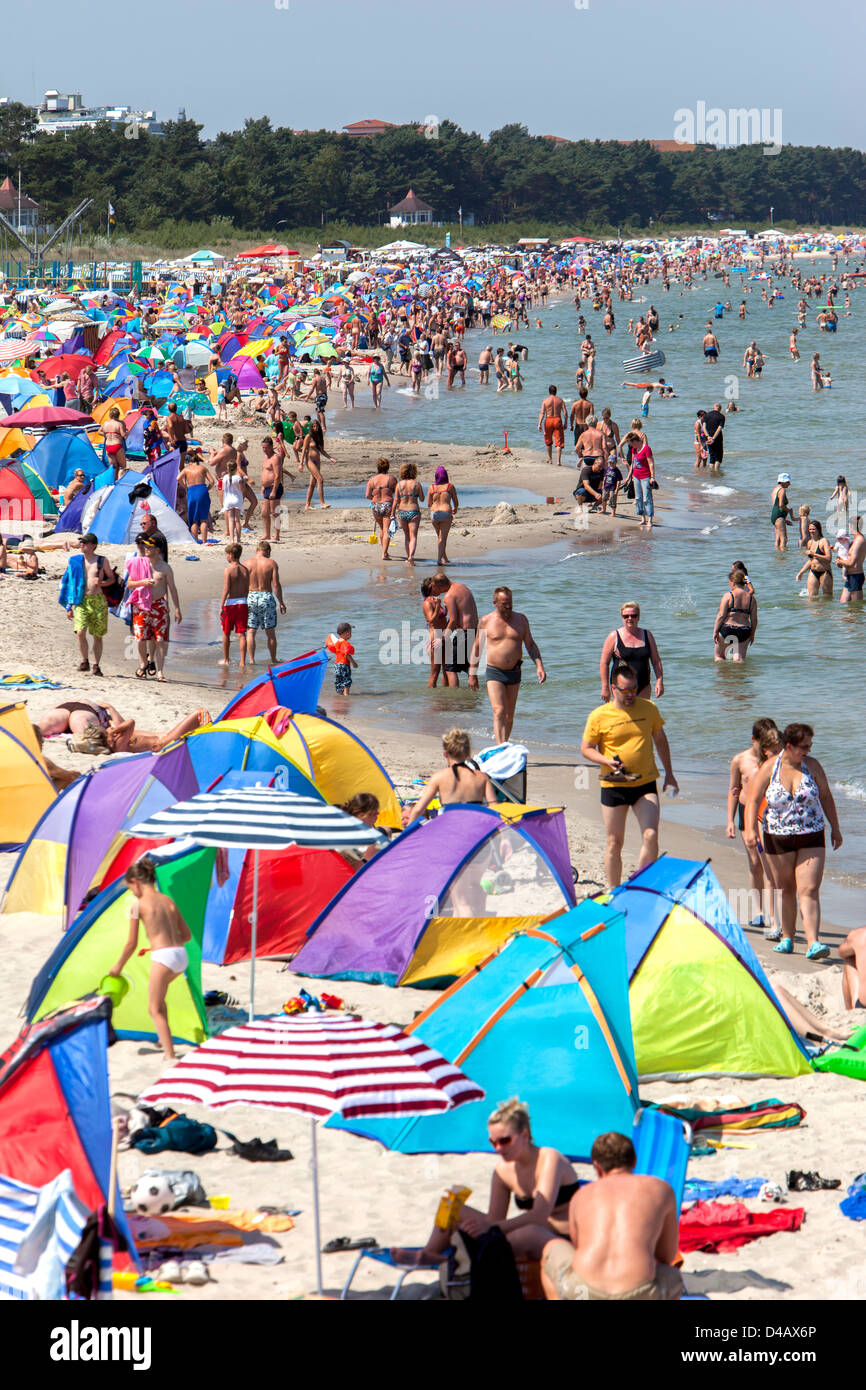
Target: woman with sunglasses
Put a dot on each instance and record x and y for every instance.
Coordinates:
(635, 646)
(799, 801)
(541, 1181)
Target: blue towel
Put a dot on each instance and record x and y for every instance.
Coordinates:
(701, 1190)
(854, 1205)
(72, 585)
(24, 682)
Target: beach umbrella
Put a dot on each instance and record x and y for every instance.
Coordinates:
(320, 1064)
(258, 818)
(48, 415)
(11, 349)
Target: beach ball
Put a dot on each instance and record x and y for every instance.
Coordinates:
(152, 1196)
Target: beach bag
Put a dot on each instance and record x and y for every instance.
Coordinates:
(182, 1133)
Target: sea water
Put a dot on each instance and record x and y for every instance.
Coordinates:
(806, 663)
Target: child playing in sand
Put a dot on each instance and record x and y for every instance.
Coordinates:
(344, 657)
(233, 603)
(167, 933)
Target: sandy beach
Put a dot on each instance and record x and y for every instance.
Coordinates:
(364, 1190)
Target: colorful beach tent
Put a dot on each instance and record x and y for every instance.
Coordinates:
(20, 513)
(547, 1019)
(295, 684)
(700, 1001)
(62, 857)
(115, 520)
(59, 453)
(223, 751)
(42, 497)
(84, 956)
(442, 896)
(26, 790)
(55, 1111)
(333, 758)
(294, 886)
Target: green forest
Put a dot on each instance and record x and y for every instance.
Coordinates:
(270, 179)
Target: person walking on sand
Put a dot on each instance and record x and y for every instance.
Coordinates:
(799, 803)
(619, 738)
(503, 633)
(552, 419)
(311, 459)
(264, 595)
(379, 493)
(86, 577)
(167, 933)
(406, 508)
(743, 768)
(234, 612)
(443, 502)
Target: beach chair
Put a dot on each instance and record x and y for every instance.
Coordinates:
(451, 1287)
(663, 1144)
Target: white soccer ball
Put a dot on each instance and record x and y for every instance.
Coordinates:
(152, 1196)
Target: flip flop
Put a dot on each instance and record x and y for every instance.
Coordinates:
(340, 1243)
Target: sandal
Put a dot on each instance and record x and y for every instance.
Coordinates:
(141, 673)
(150, 668)
(817, 952)
(96, 671)
(346, 1243)
(785, 947)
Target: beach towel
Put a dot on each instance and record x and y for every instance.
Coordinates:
(22, 681)
(718, 1227)
(139, 567)
(763, 1114)
(701, 1190)
(72, 584)
(854, 1205)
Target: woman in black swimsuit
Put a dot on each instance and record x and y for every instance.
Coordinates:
(541, 1181)
(737, 619)
(637, 647)
(458, 783)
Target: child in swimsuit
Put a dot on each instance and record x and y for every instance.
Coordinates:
(167, 933)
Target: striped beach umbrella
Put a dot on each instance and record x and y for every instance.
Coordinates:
(320, 1064)
(258, 818)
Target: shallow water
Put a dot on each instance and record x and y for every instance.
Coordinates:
(806, 663)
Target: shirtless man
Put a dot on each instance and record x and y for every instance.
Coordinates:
(552, 418)
(272, 486)
(439, 344)
(590, 444)
(264, 595)
(234, 612)
(580, 413)
(319, 391)
(459, 638)
(177, 430)
(167, 933)
(710, 345)
(505, 634)
(851, 564)
(154, 624)
(197, 478)
(485, 357)
(623, 1235)
(743, 767)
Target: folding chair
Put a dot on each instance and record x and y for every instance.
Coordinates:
(663, 1144)
(383, 1256)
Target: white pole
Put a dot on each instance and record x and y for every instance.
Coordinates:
(314, 1165)
(254, 922)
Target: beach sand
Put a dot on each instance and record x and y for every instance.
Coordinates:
(365, 1191)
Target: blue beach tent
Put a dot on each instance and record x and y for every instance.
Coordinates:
(59, 453)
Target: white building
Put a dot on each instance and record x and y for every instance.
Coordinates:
(60, 112)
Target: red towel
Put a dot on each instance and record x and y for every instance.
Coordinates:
(723, 1226)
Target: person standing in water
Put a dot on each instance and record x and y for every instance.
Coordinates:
(443, 503)
(504, 635)
(820, 562)
(781, 512)
(737, 619)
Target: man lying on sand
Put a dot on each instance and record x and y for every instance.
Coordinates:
(623, 1232)
(98, 727)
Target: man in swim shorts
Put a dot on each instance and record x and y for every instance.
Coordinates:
(264, 595)
(504, 634)
(619, 738)
(459, 637)
(851, 564)
(623, 1235)
(90, 614)
(711, 346)
(552, 418)
(198, 478)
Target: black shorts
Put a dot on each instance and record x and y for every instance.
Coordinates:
(715, 452)
(512, 677)
(741, 816)
(456, 650)
(787, 844)
(628, 793)
(182, 446)
(268, 492)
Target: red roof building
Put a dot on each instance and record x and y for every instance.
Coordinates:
(368, 127)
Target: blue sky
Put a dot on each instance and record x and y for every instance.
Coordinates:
(617, 69)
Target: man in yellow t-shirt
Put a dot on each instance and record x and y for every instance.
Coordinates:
(619, 738)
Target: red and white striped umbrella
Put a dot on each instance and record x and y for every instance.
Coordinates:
(13, 348)
(321, 1064)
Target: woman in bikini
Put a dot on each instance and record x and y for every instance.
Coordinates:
(408, 496)
(819, 563)
(380, 494)
(701, 451)
(541, 1181)
(311, 458)
(443, 503)
(737, 619)
(459, 783)
(347, 385)
(113, 430)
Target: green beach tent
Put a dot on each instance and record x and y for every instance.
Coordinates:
(86, 953)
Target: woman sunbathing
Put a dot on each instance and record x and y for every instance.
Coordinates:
(100, 728)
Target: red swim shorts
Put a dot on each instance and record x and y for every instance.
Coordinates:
(553, 432)
(234, 618)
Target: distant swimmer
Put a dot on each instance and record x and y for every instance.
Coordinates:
(504, 634)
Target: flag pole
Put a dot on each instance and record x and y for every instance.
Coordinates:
(314, 1166)
(254, 922)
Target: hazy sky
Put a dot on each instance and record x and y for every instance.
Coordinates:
(617, 69)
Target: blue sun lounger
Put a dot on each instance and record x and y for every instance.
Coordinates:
(383, 1256)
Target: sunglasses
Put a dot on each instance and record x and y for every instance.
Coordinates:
(502, 1142)
(626, 689)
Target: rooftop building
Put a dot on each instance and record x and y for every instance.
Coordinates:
(60, 113)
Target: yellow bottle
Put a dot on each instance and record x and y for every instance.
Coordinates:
(451, 1203)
